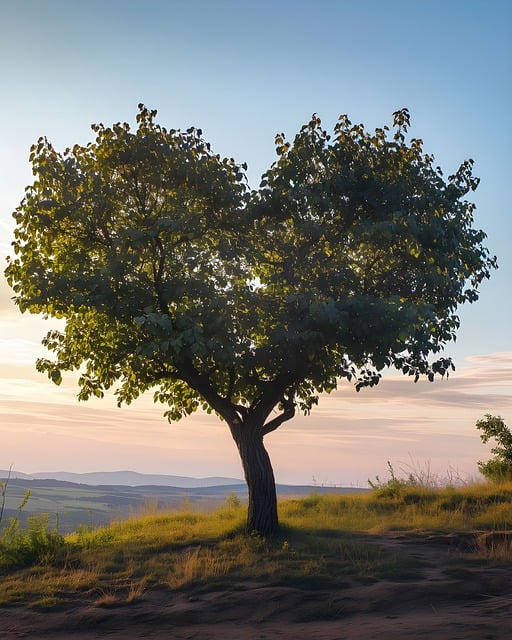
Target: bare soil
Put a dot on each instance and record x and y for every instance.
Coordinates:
(451, 594)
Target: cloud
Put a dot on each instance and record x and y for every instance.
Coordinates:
(504, 357)
(482, 387)
(136, 437)
(348, 456)
(18, 350)
(21, 336)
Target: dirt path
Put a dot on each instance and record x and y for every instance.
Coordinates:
(446, 598)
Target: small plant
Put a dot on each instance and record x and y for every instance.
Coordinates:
(392, 488)
(3, 495)
(3, 492)
(44, 604)
(19, 547)
(233, 501)
(34, 544)
(499, 468)
(108, 598)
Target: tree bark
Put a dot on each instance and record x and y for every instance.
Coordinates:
(262, 510)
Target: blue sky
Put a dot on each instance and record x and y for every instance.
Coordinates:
(244, 71)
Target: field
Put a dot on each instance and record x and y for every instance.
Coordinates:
(395, 562)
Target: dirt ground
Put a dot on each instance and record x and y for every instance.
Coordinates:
(447, 598)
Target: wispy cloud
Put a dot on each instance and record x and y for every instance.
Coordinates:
(504, 357)
(484, 386)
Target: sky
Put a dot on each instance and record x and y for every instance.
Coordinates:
(243, 71)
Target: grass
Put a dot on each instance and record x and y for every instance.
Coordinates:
(486, 507)
(325, 542)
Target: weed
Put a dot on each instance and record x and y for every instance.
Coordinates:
(136, 591)
(108, 598)
(31, 545)
(44, 604)
(392, 488)
(3, 495)
(233, 501)
(495, 545)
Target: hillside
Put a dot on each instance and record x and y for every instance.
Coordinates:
(73, 504)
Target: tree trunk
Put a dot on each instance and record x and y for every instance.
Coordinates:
(262, 511)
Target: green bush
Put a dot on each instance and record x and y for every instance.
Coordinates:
(499, 468)
(497, 471)
(33, 544)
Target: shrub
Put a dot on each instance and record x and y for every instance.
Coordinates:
(34, 544)
(498, 468)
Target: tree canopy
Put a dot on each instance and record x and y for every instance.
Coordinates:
(174, 276)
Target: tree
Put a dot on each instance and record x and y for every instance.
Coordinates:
(498, 468)
(172, 275)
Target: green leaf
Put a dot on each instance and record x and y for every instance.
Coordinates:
(56, 376)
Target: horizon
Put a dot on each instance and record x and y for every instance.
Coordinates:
(243, 73)
(60, 476)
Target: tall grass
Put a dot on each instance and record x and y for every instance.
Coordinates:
(410, 508)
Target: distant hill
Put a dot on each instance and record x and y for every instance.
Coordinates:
(124, 478)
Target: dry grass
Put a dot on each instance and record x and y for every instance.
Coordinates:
(121, 592)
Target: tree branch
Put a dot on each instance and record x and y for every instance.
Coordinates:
(188, 373)
(287, 414)
(157, 275)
